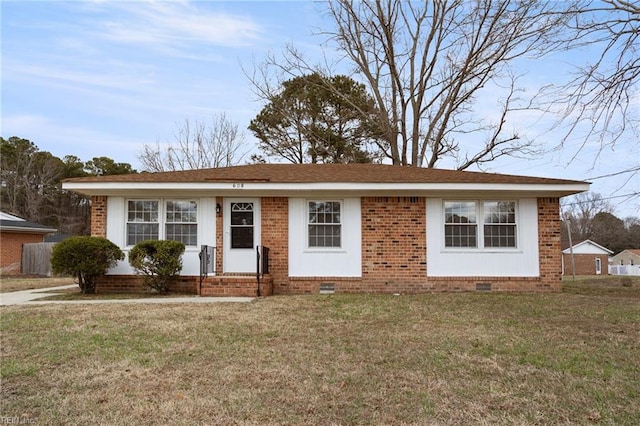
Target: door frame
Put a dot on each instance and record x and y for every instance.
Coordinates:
(240, 260)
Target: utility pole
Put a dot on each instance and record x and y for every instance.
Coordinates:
(573, 262)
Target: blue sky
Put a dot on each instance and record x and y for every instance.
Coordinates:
(103, 78)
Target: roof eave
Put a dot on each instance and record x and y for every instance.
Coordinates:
(27, 230)
(285, 189)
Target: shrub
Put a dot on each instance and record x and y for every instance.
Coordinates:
(85, 258)
(626, 282)
(158, 261)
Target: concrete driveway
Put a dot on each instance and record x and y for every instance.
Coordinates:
(29, 297)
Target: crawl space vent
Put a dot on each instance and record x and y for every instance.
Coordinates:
(483, 286)
(327, 288)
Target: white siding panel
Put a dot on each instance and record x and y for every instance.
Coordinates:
(343, 262)
(116, 232)
(520, 262)
(206, 235)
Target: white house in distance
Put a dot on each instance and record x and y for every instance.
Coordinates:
(627, 262)
(338, 227)
(589, 258)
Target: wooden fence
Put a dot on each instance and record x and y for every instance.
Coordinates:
(36, 258)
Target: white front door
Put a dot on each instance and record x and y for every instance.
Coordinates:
(241, 234)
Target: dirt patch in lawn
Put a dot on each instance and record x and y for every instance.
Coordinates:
(8, 284)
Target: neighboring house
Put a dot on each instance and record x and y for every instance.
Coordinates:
(589, 258)
(14, 233)
(627, 262)
(336, 227)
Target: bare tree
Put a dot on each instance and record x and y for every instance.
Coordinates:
(599, 97)
(197, 145)
(427, 64)
(580, 209)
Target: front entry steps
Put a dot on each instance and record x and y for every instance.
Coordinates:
(236, 285)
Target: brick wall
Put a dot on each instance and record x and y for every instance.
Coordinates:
(549, 245)
(585, 264)
(275, 235)
(11, 250)
(135, 284)
(394, 253)
(99, 216)
(394, 242)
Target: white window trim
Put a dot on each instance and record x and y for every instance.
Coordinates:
(162, 219)
(480, 248)
(308, 248)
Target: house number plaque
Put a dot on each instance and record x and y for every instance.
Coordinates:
(238, 185)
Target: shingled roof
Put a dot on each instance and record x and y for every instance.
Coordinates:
(333, 173)
(11, 223)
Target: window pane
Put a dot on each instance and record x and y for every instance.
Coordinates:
(242, 237)
(142, 211)
(137, 232)
(185, 233)
(242, 218)
(324, 236)
(182, 212)
(499, 212)
(460, 236)
(500, 236)
(460, 212)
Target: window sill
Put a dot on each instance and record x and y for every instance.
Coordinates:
(481, 250)
(326, 250)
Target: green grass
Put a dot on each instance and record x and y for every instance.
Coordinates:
(566, 358)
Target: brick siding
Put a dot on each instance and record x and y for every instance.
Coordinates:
(135, 284)
(549, 244)
(99, 216)
(275, 235)
(11, 250)
(585, 264)
(394, 242)
(394, 254)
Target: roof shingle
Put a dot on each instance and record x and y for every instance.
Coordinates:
(310, 173)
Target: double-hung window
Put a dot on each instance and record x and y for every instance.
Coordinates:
(460, 224)
(181, 222)
(499, 224)
(162, 220)
(324, 224)
(143, 221)
(498, 228)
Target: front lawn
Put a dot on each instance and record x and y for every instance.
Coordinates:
(567, 358)
(8, 284)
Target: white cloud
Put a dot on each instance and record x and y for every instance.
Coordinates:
(173, 26)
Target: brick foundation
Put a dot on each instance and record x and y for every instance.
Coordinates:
(135, 284)
(244, 286)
